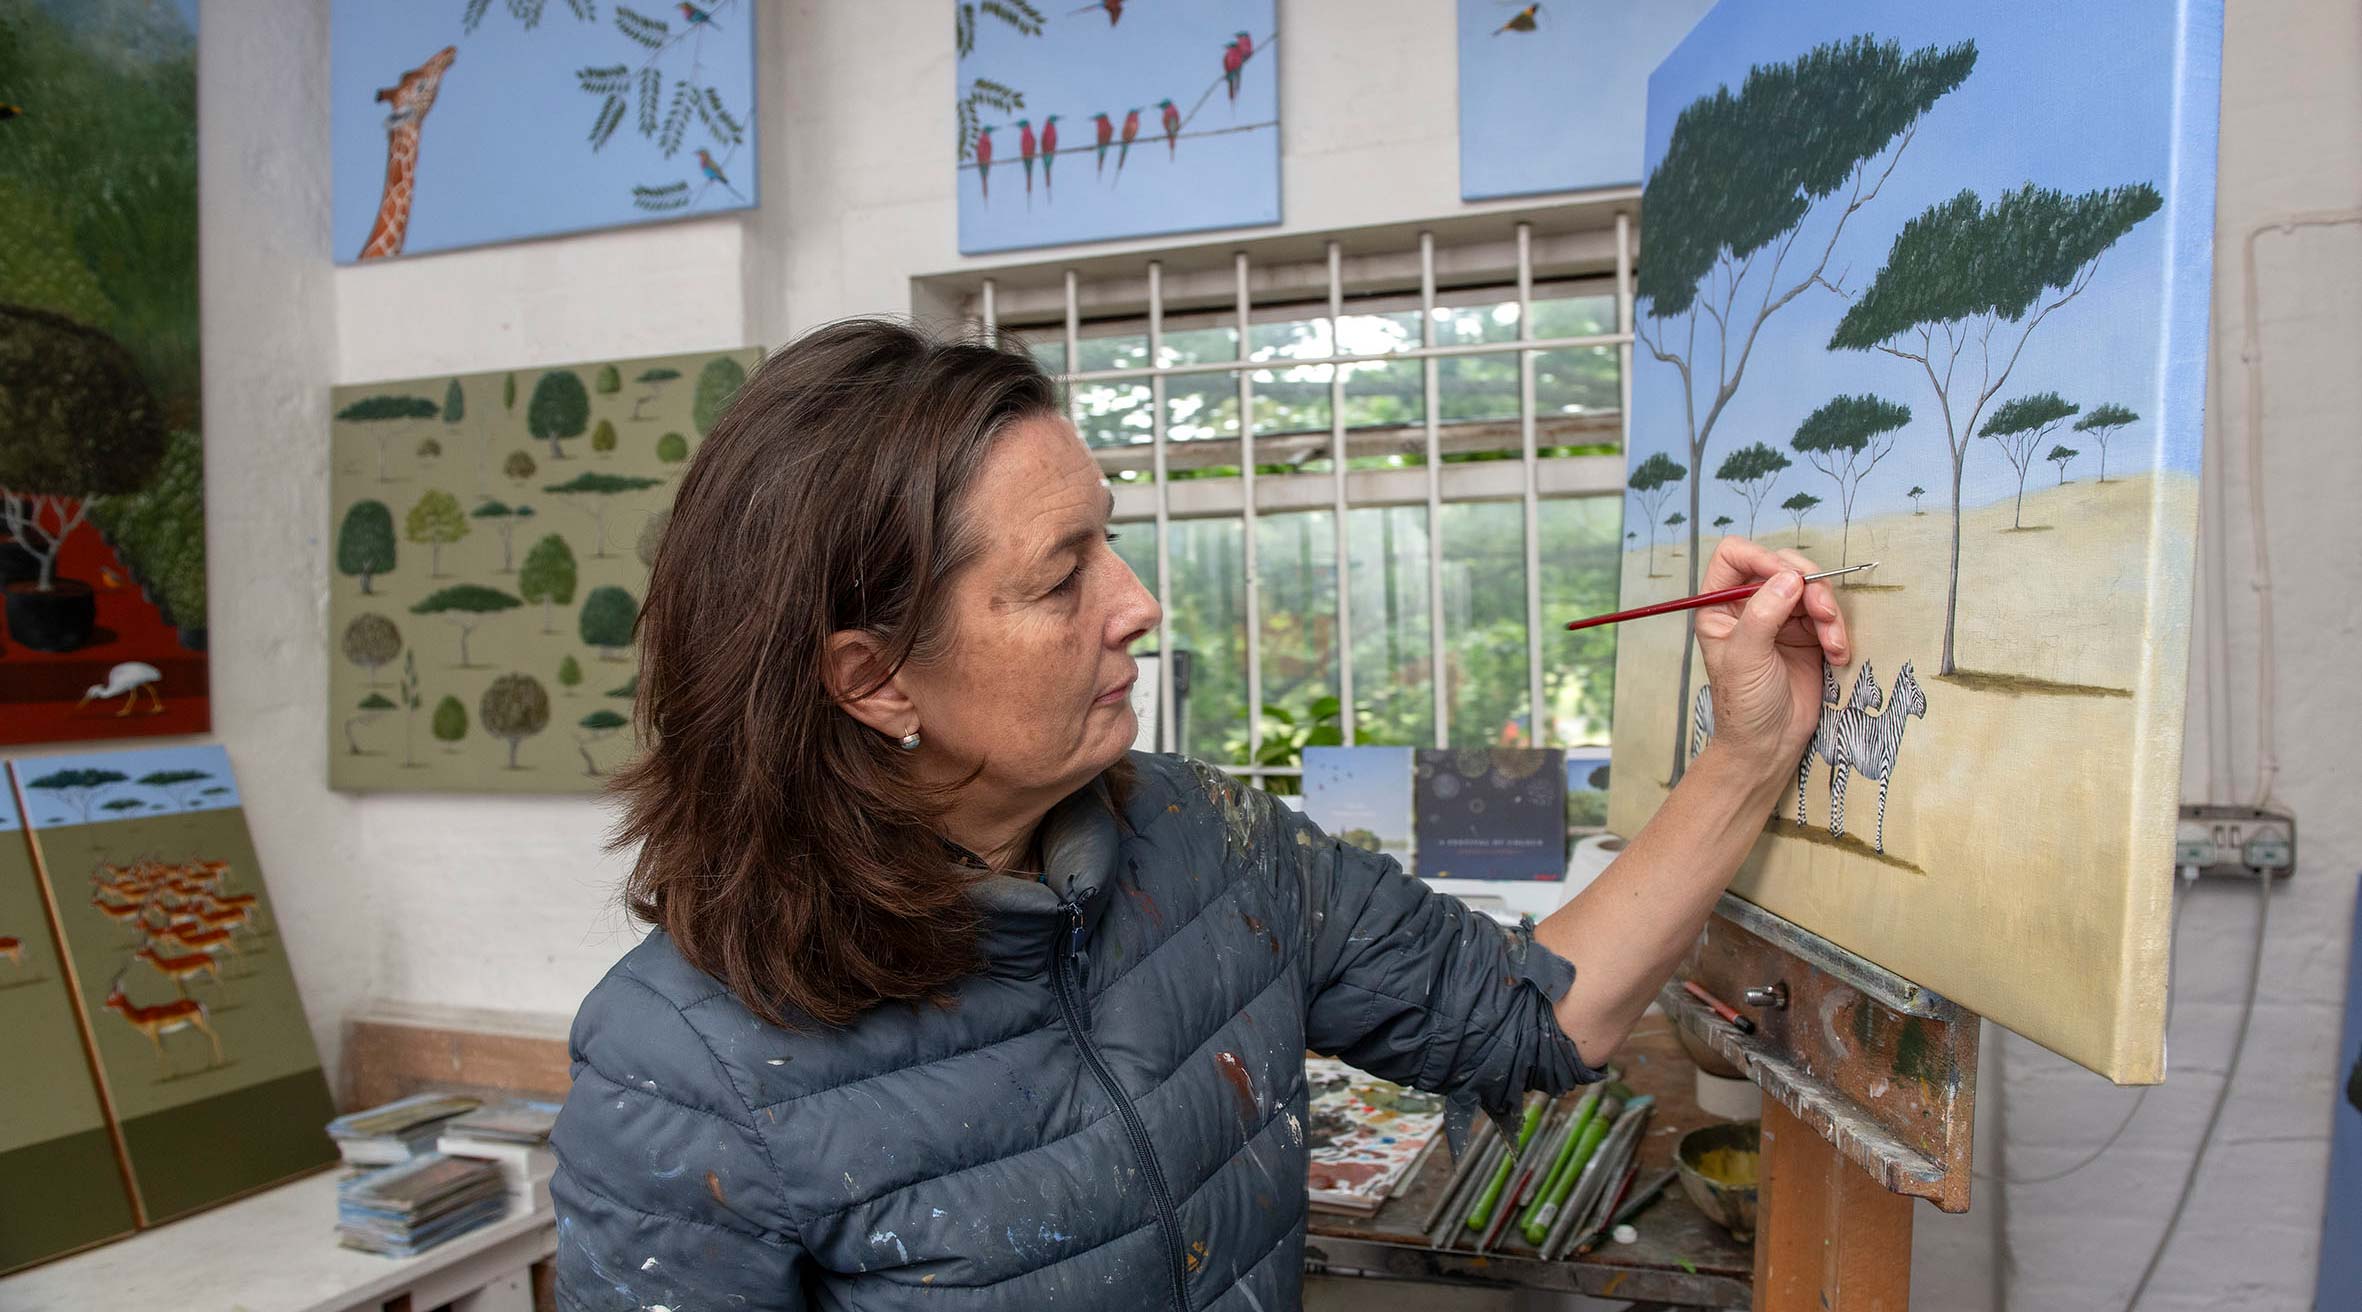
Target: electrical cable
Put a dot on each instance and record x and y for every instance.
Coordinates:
(2222, 1096)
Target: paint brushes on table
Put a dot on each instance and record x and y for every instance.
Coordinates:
(1716, 597)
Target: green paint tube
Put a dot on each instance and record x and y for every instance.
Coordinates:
(1483, 1213)
(1609, 1110)
(1577, 1123)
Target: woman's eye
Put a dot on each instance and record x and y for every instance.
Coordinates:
(1073, 579)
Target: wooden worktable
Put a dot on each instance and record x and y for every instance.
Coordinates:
(1681, 1258)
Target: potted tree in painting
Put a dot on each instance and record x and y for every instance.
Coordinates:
(76, 421)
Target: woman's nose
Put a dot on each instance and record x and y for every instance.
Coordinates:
(1138, 614)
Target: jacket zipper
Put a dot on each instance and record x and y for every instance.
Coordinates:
(1166, 1214)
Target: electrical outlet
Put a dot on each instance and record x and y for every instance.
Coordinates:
(2235, 841)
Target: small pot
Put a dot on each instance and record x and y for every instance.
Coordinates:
(1719, 1166)
(60, 619)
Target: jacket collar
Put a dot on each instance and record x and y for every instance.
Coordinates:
(1022, 918)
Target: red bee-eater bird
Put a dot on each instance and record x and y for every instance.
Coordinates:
(695, 16)
(1025, 147)
(1049, 149)
(1234, 58)
(1523, 21)
(984, 161)
(1106, 128)
(1131, 130)
(1114, 8)
(1172, 122)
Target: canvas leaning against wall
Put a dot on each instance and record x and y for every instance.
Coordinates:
(491, 537)
(59, 1186)
(1114, 120)
(465, 122)
(180, 977)
(1551, 94)
(102, 504)
(1965, 271)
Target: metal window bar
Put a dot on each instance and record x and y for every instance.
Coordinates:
(1168, 681)
(1157, 371)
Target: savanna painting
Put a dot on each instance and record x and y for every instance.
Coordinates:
(1928, 287)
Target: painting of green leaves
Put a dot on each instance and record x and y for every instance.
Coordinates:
(490, 537)
(1928, 286)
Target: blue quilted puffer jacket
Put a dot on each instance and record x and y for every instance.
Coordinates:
(1112, 1114)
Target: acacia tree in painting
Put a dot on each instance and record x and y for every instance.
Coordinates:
(371, 707)
(182, 786)
(595, 727)
(1915, 493)
(466, 605)
(388, 417)
(654, 380)
(1741, 175)
(503, 517)
(1845, 439)
(1723, 521)
(1799, 506)
(2018, 426)
(1970, 279)
(1652, 483)
(78, 787)
(599, 487)
(2101, 424)
(2060, 455)
(1752, 470)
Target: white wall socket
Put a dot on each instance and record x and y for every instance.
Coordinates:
(2235, 841)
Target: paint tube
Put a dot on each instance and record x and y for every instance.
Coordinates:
(1596, 1179)
(1581, 1117)
(1544, 1150)
(1483, 1212)
(1447, 1231)
(1554, 1205)
(1478, 1141)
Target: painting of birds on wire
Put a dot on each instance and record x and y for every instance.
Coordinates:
(1114, 119)
(1551, 93)
(1898, 266)
(59, 1189)
(179, 978)
(467, 122)
(102, 499)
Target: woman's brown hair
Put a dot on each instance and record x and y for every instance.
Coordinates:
(785, 846)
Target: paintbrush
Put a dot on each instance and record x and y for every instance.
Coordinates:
(1446, 1233)
(1474, 1148)
(1739, 593)
(1634, 1205)
(1539, 1154)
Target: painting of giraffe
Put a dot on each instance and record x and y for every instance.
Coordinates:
(407, 103)
(545, 120)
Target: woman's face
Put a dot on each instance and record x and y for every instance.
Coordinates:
(1035, 683)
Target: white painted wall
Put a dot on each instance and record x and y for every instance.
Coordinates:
(485, 902)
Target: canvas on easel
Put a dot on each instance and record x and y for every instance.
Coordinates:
(1928, 286)
(179, 978)
(60, 1187)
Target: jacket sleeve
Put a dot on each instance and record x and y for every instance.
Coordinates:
(1412, 985)
(665, 1193)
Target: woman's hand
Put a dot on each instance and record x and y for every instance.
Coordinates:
(1763, 655)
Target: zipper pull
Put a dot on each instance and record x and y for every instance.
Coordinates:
(1074, 937)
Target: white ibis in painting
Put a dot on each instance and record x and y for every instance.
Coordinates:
(128, 680)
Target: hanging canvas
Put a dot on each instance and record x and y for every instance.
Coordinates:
(1551, 94)
(466, 122)
(102, 504)
(1489, 812)
(1062, 113)
(1928, 286)
(2340, 1283)
(59, 1186)
(179, 976)
(491, 537)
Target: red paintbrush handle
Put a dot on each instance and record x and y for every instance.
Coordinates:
(1738, 593)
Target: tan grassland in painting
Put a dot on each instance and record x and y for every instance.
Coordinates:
(2020, 836)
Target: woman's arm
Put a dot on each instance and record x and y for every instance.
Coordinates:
(1628, 930)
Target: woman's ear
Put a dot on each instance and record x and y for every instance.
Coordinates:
(853, 666)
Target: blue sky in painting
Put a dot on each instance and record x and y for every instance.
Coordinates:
(1080, 66)
(2039, 107)
(50, 810)
(1560, 107)
(1580, 762)
(505, 152)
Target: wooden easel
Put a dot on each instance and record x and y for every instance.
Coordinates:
(1869, 1088)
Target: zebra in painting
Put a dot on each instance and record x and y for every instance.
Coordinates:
(1868, 745)
(1866, 697)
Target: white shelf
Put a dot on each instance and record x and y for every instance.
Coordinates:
(276, 1252)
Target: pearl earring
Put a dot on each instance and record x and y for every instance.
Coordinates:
(909, 742)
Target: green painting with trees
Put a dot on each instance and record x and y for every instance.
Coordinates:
(474, 590)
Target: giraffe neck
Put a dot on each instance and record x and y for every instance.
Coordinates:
(393, 211)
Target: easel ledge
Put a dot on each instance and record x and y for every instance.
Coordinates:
(1871, 1102)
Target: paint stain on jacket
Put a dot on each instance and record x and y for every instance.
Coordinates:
(1241, 1083)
